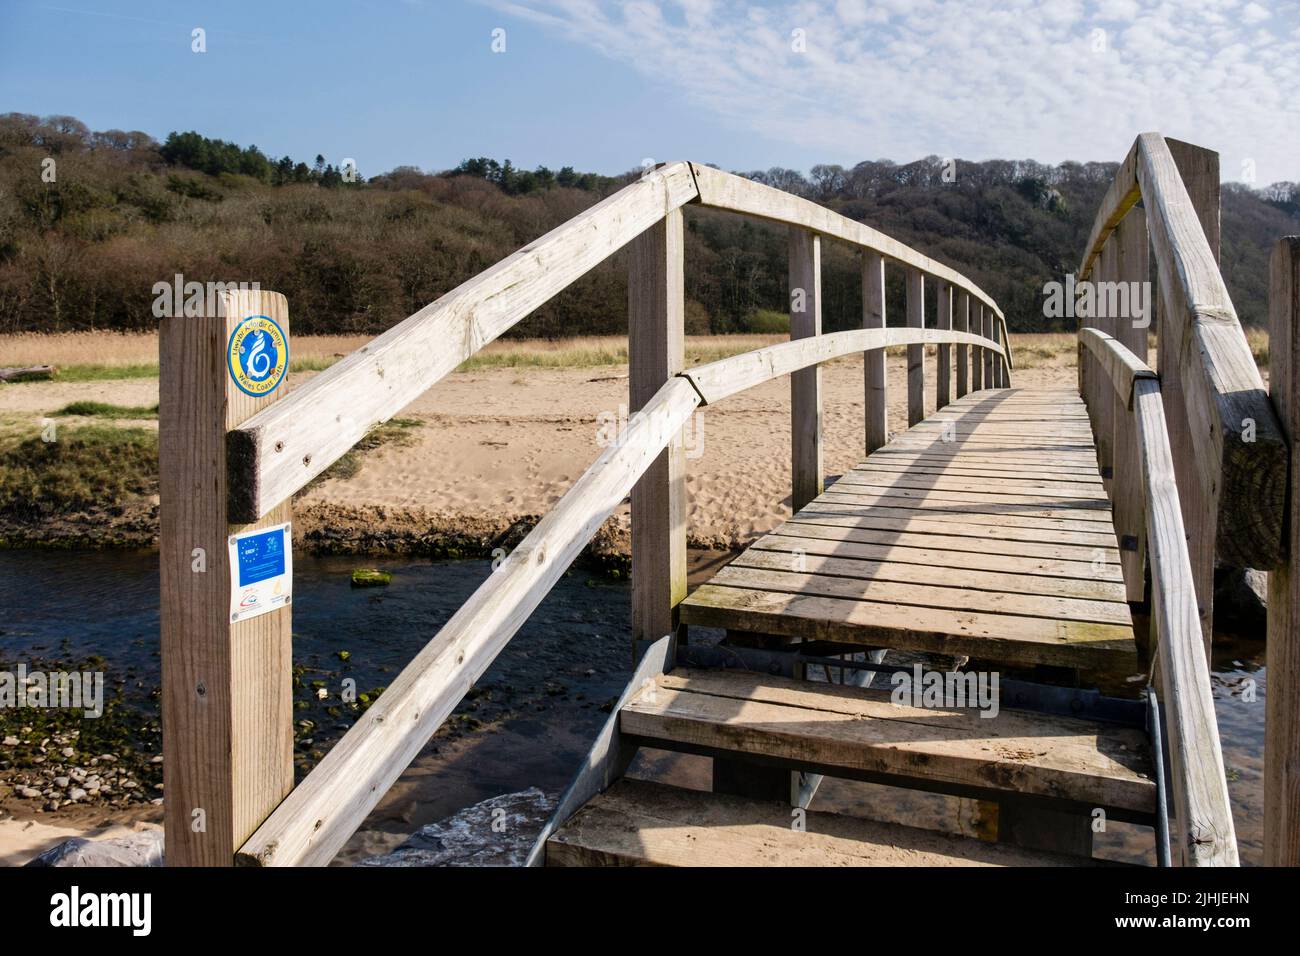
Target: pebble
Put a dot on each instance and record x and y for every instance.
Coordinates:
(29, 792)
(68, 751)
(11, 741)
(76, 793)
(61, 782)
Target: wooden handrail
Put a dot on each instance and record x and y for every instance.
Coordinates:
(719, 190)
(1205, 832)
(1240, 454)
(1121, 366)
(716, 380)
(278, 451)
(274, 454)
(323, 811)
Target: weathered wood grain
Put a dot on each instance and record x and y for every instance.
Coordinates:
(226, 688)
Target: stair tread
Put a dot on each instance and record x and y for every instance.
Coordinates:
(641, 823)
(857, 729)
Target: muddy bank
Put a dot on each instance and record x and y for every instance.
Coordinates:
(333, 529)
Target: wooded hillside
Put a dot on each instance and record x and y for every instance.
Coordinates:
(84, 240)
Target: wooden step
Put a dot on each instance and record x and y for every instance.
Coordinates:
(639, 823)
(830, 727)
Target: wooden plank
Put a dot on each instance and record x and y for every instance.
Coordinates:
(992, 637)
(1132, 244)
(956, 525)
(915, 353)
(939, 558)
(656, 353)
(962, 324)
(610, 754)
(823, 506)
(785, 553)
(639, 823)
(226, 694)
(1055, 608)
(981, 498)
(943, 366)
(953, 542)
(1202, 834)
(1238, 446)
(977, 354)
(721, 190)
(874, 369)
(959, 467)
(863, 730)
(286, 445)
(955, 504)
(806, 469)
(923, 482)
(1282, 718)
(318, 817)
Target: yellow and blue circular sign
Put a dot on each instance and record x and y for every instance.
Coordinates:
(257, 355)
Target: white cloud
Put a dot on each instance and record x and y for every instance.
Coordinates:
(969, 78)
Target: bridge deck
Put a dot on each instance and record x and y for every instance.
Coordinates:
(983, 531)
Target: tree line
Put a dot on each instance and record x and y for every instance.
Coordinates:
(82, 249)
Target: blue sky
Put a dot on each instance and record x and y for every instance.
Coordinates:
(603, 85)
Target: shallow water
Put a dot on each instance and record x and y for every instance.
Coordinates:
(541, 701)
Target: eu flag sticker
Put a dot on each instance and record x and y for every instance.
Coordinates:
(261, 571)
(257, 355)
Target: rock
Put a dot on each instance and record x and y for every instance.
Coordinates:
(500, 831)
(1241, 602)
(144, 848)
(370, 578)
(61, 782)
(31, 793)
(76, 793)
(68, 752)
(11, 741)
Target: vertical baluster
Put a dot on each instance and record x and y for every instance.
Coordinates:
(656, 352)
(943, 366)
(915, 353)
(805, 384)
(873, 317)
(963, 351)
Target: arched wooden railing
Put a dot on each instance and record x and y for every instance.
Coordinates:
(1204, 834)
(281, 447)
(1219, 487)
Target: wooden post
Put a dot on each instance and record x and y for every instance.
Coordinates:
(963, 352)
(227, 699)
(657, 352)
(1102, 398)
(943, 370)
(1199, 169)
(1282, 717)
(999, 379)
(1132, 245)
(873, 317)
(915, 353)
(806, 475)
(987, 323)
(977, 353)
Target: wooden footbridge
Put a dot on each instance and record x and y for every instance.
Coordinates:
(1052, 544)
